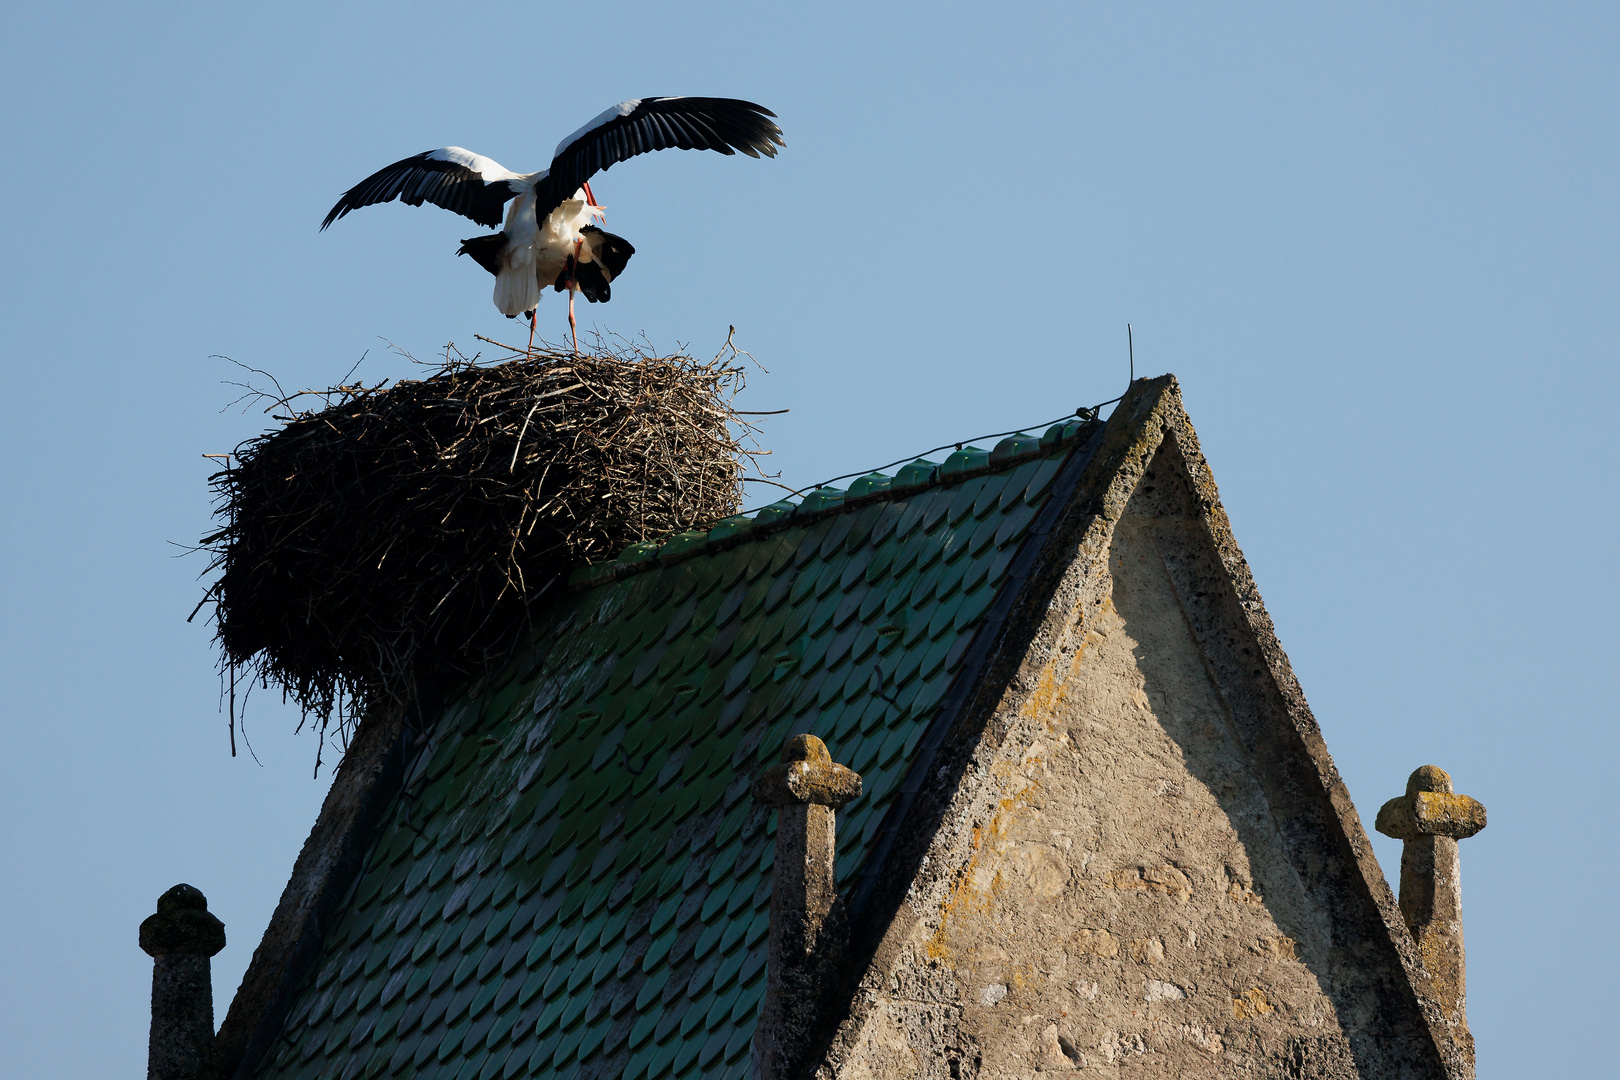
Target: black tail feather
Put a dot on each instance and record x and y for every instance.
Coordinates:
(609, 256)
(611, 251)
(486, 251)
(593, 283)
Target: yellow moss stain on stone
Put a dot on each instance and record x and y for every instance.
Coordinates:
(1439, 960)
(1046, 700)
(1047, 695)
(974, 894)
(981, 882)
(1251, 1004)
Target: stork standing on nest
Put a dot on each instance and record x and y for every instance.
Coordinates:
(548, 237)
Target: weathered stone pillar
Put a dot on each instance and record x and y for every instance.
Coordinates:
(809, 930)
(180, 938)
(1430, 819)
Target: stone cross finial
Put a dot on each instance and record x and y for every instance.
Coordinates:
(180, 938)
(808, 926)
(1430, 818)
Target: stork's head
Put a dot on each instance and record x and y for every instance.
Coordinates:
(597, 210)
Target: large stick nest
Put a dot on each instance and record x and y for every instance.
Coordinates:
(403, 530)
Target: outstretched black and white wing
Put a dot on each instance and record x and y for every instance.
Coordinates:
(470, 184)
(643, 125)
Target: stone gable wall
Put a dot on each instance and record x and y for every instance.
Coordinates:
(1145, 870)
(1127, 906)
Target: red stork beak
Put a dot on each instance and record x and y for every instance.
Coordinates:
(590, 197)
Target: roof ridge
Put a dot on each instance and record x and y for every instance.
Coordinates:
(966, 463)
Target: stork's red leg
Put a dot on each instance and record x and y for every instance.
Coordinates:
(533, 315)
(573, 329)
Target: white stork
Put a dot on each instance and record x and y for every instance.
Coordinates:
(548, 238)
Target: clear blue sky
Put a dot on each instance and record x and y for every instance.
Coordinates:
(1377, 243)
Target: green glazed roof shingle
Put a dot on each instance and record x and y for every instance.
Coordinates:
(574, 880)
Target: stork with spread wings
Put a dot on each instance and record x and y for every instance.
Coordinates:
(549, 238)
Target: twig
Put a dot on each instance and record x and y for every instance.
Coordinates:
(773, 483)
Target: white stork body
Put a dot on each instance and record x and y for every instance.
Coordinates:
(548, 238)
(537, 255)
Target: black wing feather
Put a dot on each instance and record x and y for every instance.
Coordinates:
(421, 178)
(724, 125)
